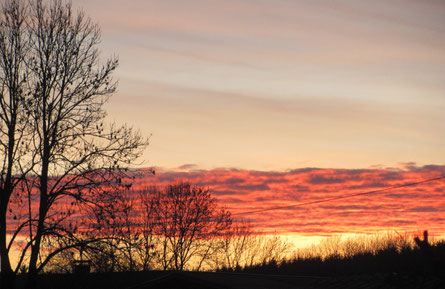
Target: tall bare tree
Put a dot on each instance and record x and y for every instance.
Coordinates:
(54, 86)
(78, 154)
(13, 119)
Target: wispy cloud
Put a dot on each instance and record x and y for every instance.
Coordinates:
(279, 84)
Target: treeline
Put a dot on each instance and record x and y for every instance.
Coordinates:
(181, 227)
(378, 254)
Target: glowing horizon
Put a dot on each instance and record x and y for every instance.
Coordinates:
(273, 86)
(404, 210)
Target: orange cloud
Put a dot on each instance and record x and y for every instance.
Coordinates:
(404, 209)
(409, 209)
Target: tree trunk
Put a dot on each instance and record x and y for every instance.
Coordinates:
(43, 210)
(7, 276)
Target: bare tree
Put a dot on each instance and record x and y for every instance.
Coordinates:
(13, 119)
(148, 253)
(236, 245)
(54, 86)
(78, 155)
(127, 241)
(133, 239)
(245, 247)
(186, 217)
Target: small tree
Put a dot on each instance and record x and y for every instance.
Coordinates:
(236, 245)
(148, 251)
(245, 247)
(186, 217)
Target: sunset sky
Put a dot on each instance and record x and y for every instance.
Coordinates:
(405, 210)
(256, 91)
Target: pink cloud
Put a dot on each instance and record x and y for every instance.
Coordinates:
(404, 209)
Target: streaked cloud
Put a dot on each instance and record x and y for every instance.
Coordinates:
(404, 209)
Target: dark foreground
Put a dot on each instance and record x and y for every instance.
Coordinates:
(216, 280)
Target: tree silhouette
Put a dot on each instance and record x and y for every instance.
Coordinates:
(242, 246)
(14, 123)
(76, 160)
(186, 218)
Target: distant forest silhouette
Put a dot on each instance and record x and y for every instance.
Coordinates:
(363, 255)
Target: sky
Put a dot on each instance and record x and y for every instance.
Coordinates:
(248, 194)
(276, 85)
(347, 88)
